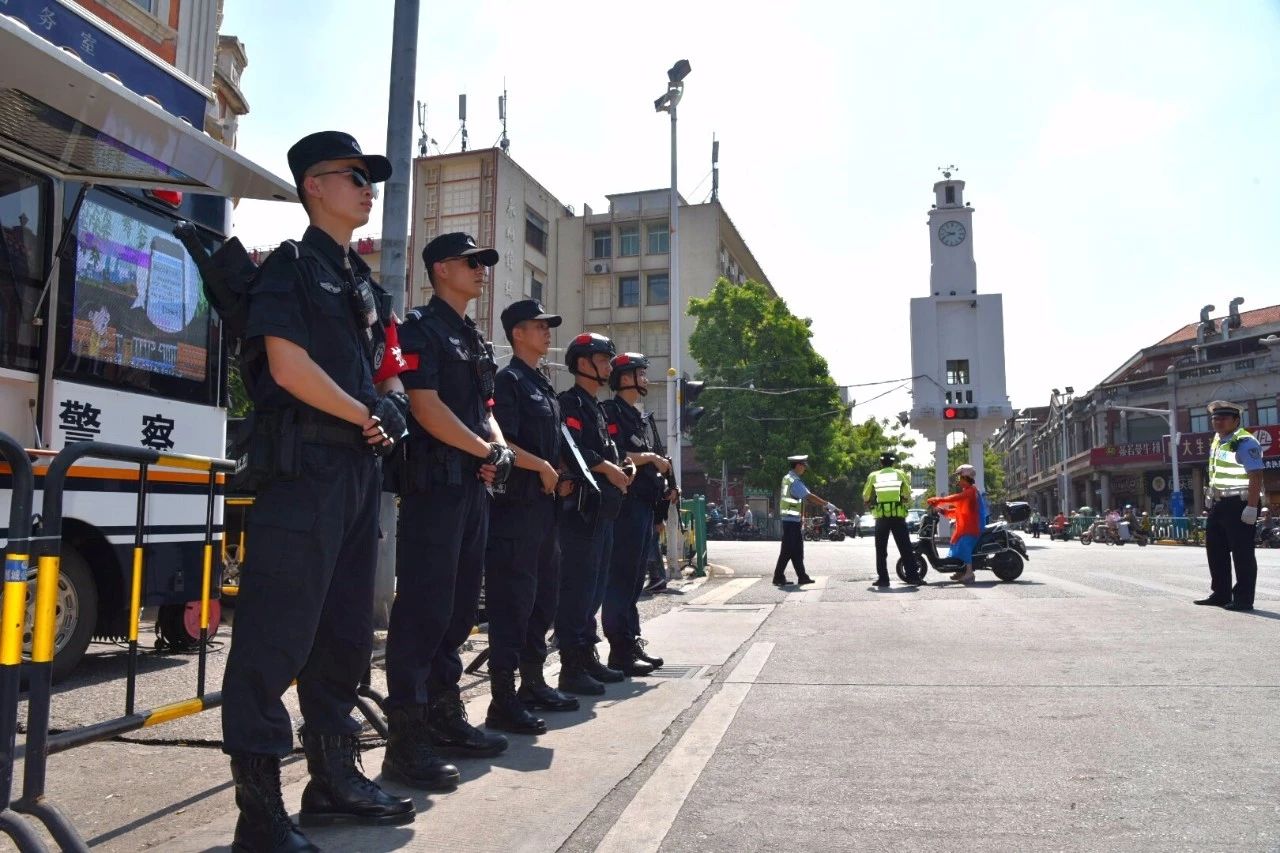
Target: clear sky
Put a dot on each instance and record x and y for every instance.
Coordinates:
(1122, 157)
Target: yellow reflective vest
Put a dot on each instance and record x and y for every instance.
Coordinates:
(789, 507)
(1225, 472)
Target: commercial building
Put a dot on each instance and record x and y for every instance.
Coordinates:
(1116, 456)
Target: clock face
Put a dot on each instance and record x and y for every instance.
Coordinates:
(951, 233)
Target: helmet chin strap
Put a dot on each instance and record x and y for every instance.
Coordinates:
(637, 387)
(594, 376)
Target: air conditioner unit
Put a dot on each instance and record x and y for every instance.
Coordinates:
(598, 267)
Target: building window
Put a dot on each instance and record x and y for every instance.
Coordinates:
(602, 243)
(657, 339)
(535, 285)
(659, 290)
(659, 238)
(1267, 413)
(535, 231)
(148, 6)
(951, 195)
(958, 371)
(1199, 421)
(629, 291)
(628, 241)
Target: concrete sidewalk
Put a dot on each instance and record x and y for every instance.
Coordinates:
(561, 776)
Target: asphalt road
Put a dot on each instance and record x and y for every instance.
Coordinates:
(1087, 706)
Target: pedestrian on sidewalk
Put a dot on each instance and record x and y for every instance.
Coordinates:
(455, 453)
(522, 560)
(964, 509)
(1235, 489)
(790, 501)
(888, 493)
(305, 612)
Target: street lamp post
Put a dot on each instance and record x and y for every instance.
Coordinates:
(667, 103)
(1064, 484)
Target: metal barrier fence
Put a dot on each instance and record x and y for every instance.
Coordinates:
(12, 625)
(1184, 531)
(40, 743)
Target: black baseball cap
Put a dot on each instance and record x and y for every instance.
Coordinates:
(527, 309)
(457, 245)
(334, 145)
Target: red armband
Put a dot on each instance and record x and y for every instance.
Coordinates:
(393, 361)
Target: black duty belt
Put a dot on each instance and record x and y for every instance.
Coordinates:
(332, 434)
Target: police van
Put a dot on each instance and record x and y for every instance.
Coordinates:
(105, 333)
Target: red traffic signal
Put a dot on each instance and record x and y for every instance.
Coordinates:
(960, 413)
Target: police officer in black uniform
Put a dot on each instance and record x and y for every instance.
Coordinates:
(305, 611)
(636, 435)
(586, 522)
(522, 571)
(455, 452)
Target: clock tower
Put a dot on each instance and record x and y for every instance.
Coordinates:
(957, 339)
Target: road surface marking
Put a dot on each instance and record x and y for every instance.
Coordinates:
(1077, 588)
(645, 822)
(725, 591)
(809, 593)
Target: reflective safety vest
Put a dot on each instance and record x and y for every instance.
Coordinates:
(789, 507)
(1225, 472)
(887, 484)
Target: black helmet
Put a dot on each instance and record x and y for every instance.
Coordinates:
(626, 363)
(888, 458)
(586, 345)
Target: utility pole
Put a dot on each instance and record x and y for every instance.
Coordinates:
(395, 238)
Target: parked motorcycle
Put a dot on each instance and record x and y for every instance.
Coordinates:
(1100, 531)
(1268, 536)
(999, 549)
(815, 530)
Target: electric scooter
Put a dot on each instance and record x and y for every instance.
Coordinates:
(999, 549)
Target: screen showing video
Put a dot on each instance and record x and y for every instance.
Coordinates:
(137, 301)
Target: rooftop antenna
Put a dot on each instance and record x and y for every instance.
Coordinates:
(715, 169)
(423, 140)
(504, 143)
(462, 117)
(947, 170)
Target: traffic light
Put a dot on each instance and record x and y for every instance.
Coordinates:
(689, 413)
(960, 413)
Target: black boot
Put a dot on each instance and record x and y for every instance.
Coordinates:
(409, 758)
(451, 733)
(537, 695)
(339, 793)
(263, 826)
(506, 712)
(656, 663)
(622, 657)
(591, 663)
(573, 677)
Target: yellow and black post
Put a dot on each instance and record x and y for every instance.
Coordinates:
(13, 614)
(135, 589)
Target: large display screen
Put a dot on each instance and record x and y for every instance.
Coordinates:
(137, 301)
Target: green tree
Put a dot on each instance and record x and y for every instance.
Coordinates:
(772, 396)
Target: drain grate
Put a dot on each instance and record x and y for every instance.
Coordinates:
(678, 670)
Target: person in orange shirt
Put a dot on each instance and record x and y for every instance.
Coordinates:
(965, 510)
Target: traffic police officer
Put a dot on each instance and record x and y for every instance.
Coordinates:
(792, 498)
(888, 492)
(522, 559)
(305, 612)
(586, 524)
(1235, 489)
(454, 452)
(636, 435)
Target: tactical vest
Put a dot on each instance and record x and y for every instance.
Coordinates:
(789, 507)
(887, 484)
(1225, 473)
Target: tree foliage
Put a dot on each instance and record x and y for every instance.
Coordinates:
(780, 398)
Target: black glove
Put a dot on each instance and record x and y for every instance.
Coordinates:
(387, 412)
(501, 457)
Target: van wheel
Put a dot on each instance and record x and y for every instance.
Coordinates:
(76, 612)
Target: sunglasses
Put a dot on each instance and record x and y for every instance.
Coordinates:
(360, 178)
(472, 261)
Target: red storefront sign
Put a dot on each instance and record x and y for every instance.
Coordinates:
(1192, 447)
